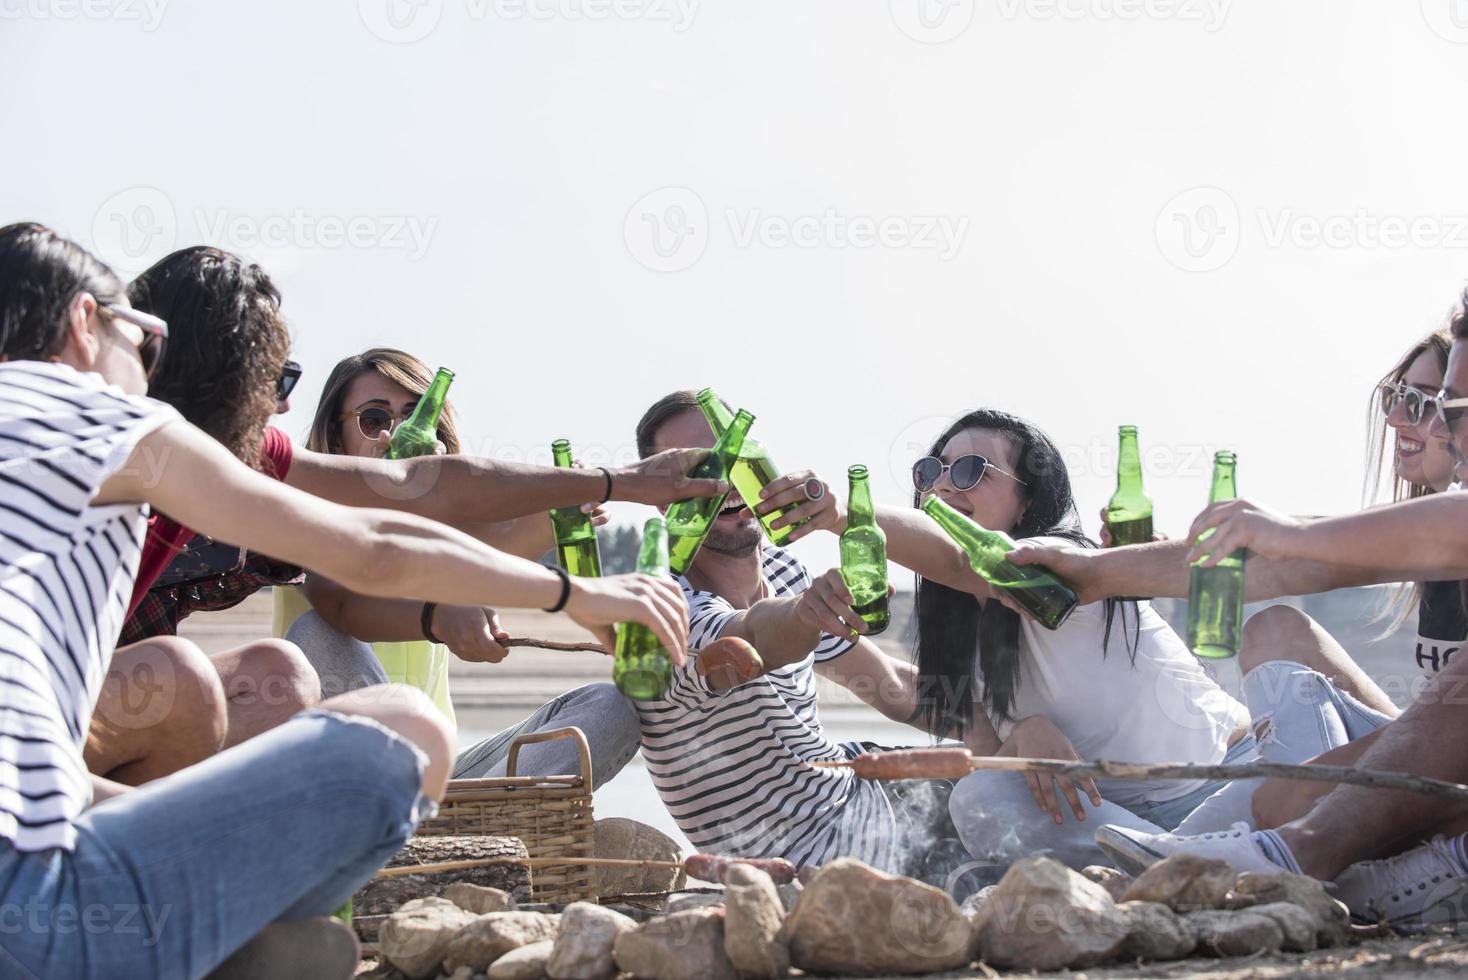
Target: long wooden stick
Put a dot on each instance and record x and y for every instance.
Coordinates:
(1376, 778)
(531, 862)
(526, 641)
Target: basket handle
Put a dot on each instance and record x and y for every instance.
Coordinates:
(549, 736)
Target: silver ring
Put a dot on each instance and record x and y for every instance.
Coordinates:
(814, 489)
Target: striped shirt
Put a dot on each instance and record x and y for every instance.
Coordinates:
(66, 572)
(730, 767)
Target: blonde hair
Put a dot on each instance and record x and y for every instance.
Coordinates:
(399, 367)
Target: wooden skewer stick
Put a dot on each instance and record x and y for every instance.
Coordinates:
(1376, 778)
(534, 862)
(526, 641)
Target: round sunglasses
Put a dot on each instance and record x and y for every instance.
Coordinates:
(964, 473)
(375, 420)
(1416, 403)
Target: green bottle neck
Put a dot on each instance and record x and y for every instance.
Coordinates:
(652, 557)
(718, 414)
(430, 406)
(859, 509)
(1129, 463)
(980, 543)
(1224, 487)
(561, 452)
(732, 440)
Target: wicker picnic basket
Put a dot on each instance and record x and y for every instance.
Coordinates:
(551, 814)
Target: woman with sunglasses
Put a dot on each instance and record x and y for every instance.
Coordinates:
(282, 829)
(1113, 682)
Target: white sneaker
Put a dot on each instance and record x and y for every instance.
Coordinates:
(1422, 886)
(1136, 851)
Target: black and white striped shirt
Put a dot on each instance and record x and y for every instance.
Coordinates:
(66, 572)
(731, 767)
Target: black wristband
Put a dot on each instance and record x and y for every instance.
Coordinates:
(608, 474)
(426, 621)
(565, 589)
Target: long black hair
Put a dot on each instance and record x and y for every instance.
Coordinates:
(953, 626)
(41, 272)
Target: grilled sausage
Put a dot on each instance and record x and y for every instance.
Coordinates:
(914, 764)
(712, 867)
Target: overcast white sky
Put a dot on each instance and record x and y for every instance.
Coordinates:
(1218, 221)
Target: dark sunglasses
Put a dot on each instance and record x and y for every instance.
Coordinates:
(155, 335)
(373, 422)
(1451, 410)
(286, 383)
(964, 473)
(1416, 403)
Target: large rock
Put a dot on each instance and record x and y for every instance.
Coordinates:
(681, 946)
(1332, 918)
(753, 917)
(853, 920)
(790, 893)
(1297, 925)
(583, 947)
(491, 936)
(1115, 882)
(1184, 883)
(478, 899)
(1156, 933)
(1240, 933)
(618, 837)
(383, 896)
(1044, 916)
(525, 963)
(682, 903)
(416, 937)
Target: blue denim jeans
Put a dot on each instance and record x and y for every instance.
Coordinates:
(1298, 714)
(998, 821)
(169, 879)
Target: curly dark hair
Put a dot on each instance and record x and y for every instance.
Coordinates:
(227, 342)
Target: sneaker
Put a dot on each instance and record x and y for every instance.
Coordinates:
(1423, 886)
(321, 949)
(1135, 851)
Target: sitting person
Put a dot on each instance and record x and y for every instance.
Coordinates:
(1113, 682)
(282, 829)
(354, 640)
(230, 345)
(730, 761)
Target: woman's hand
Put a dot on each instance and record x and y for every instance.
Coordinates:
(1243, 524)
(599, 604)
(471, 633)
(825, 513)
(1036, 737)
(826, 605)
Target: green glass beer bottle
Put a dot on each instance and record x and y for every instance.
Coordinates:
(689, 520)
(1129, 513)
(753, 470)
(576, 548)
(1038, 590)
(864, 555)
(417, 435)
(1216, 595)
(643, 670)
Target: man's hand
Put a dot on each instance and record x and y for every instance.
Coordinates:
(663, 479)
(657, 603)
(824, 514)
(1079, 567)
(1036, 737)
(471, 633)
(1243, 524)
(826, 605)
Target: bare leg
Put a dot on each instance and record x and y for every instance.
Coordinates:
(1353, 823)
(408, 712)
(1285, 633)
(161, 709)
(266, 682)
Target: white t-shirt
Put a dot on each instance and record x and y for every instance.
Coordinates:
(1163, 708)
(66, 574)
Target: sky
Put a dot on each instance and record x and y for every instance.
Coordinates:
(1219, 221)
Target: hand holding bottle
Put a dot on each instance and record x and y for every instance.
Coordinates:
(827, 605)
(662, 478)
(1242, 524)
(812, 504)
(657, 603)
(1080, 567)
(1106, 541)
